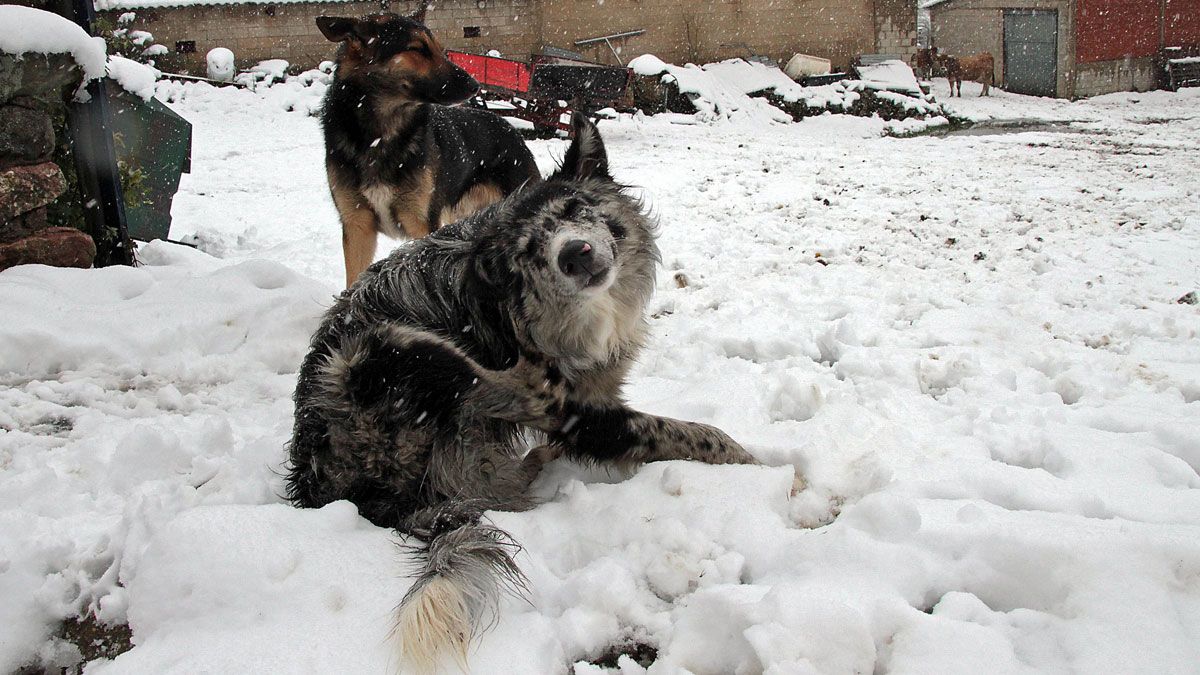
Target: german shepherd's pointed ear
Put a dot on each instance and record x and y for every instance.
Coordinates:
(419, 15)
(341, 28)
(586, 158)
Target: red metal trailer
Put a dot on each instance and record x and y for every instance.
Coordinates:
(547, 89)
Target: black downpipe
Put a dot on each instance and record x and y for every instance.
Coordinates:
(96, 163)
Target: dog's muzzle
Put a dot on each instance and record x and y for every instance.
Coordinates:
(578, 260)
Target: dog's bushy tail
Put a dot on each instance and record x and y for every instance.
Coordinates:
(467, 568)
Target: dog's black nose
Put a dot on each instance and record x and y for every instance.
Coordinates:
(576, 259)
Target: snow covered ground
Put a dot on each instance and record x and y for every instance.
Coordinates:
(971, 345)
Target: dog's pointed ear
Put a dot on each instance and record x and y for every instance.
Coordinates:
(492, 273)
(336, 28)
(586, 158)
(341, 28)
(419, 15)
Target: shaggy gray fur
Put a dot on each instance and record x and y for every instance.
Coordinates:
(424, 375)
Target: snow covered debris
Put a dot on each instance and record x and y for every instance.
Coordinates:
(263, 73)
(648, 65)
(750, 77)
(971, 346)
(739, 88)
(714, 95)
(135, 78)
(896, 76)
(24, 30)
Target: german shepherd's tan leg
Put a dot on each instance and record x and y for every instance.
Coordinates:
(359, 239)
(360, 228)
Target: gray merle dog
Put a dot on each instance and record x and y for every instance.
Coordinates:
(425, 374)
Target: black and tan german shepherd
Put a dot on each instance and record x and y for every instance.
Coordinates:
(399, 160)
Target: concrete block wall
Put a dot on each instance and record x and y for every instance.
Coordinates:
(256, 32)
(709, 30)
(676, 30)
(896, 28)
(1104, 77)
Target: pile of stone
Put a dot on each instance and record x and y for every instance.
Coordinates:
(32, 87)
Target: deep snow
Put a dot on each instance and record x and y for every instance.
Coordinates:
(970, 345)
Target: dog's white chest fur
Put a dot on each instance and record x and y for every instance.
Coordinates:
(603, 327)
(380, 198)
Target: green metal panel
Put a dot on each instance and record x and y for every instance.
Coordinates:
(1031, 51)
(154, 148)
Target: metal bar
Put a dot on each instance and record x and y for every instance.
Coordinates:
(614, 51)
(614, 36)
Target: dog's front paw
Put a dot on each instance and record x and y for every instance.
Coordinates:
(714, 446)
(544, 386)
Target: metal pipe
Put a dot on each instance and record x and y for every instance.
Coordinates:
(614, 36)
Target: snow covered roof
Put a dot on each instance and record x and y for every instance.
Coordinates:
(931, 3)
(104, 5)
(24, 30)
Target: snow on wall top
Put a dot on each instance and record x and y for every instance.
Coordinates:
(103, 5)
(24, 30)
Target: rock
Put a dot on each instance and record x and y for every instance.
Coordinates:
(26, 132)
(37, 75)
(23, 225)
(25, 188)
(1188, 298)
(57, 246)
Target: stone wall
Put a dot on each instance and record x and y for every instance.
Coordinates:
(31, 87)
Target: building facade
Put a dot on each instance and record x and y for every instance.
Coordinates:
(1068, 48)
(678, 31)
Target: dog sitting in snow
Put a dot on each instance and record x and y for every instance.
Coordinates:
(423, 376)
(399, 160)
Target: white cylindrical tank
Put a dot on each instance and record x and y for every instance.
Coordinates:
(803, 65)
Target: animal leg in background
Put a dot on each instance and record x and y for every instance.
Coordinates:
(360, 228)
